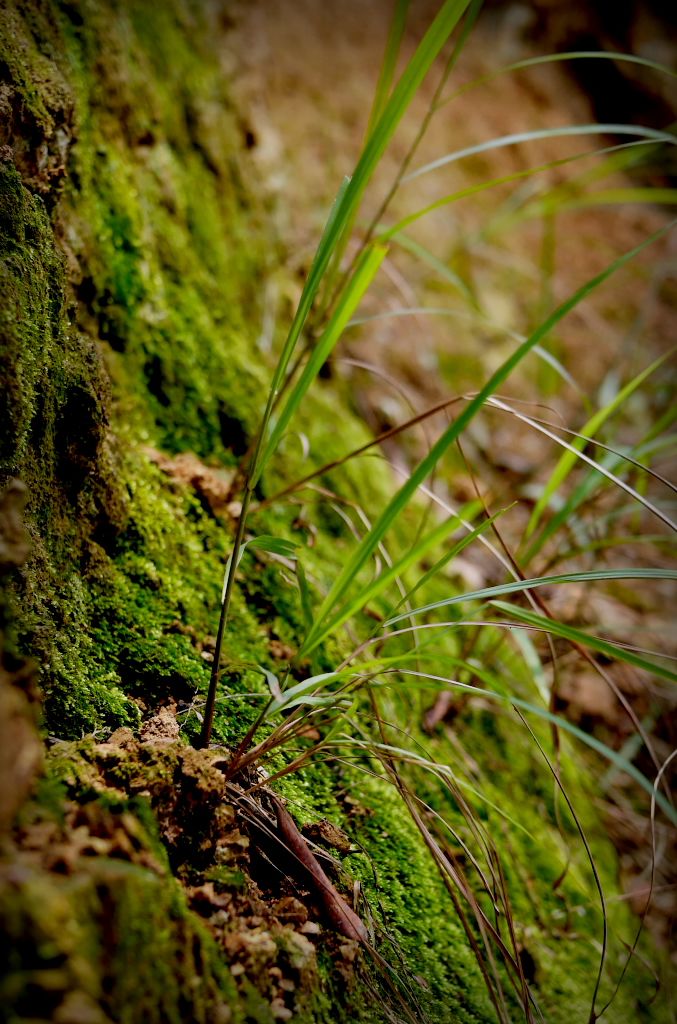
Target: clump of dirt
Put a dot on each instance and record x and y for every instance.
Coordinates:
(238, 873)
(212, 486)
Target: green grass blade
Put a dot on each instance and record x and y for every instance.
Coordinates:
(602, 197)
(576, 192)
(554, 58)
(474, 316)
(568, 459)
(416, 70)
(533, 663)
(400, 500)
(302, 689)
(566, 514)
(470, 17)
(389, 62)
(317, 269)
(367, 266)
(562, 723)
(304, 595)
(429, 258)
(599, 466)
(518, 586)
(465, 515)
(470, 190)
(415, 553)
(579, 636)
(434, 767)
(382, 92)
(273, 545)
(621, 58)
(350, 194)
(576, 130)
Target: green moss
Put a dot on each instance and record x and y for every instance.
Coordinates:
(410, 893)
(167, 249)
(164, 249)
(169, 235)
(114, 940)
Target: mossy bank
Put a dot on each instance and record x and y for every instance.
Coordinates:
(135, 244)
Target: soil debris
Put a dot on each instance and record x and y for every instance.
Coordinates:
(218, 845)
(325, 832)
(212, 486)
(163, 727)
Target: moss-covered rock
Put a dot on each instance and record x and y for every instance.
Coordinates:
(133, 270)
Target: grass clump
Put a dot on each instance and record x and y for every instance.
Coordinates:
(360, 702)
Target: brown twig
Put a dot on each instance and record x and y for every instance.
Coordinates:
(343, 917)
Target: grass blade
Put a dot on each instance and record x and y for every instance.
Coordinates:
(599, 467)
(415, 553)
(602, 197)
(541, 581)
(350, 194)
(387, 233)
(370, 261)
(638, 131)
(567, 460)
(389, 62)
(369, 544)
(315, 274)
(579, 636)
(585, 491)
(554, 58)
(616, 759)
(445, 272)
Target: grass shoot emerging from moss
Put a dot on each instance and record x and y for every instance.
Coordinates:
(484, 647)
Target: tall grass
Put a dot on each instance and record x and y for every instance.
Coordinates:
(468, 643)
